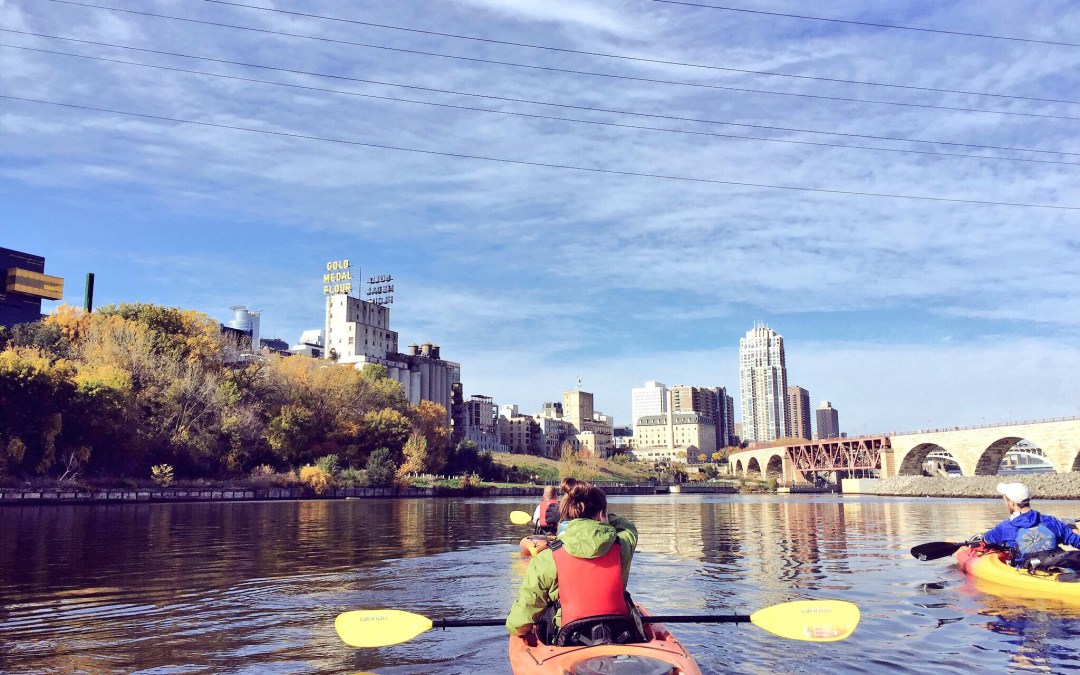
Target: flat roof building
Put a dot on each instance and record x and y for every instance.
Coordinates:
(799, 409)
(23, 285)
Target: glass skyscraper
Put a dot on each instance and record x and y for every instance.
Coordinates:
(763, 386)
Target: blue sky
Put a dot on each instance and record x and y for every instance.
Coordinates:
(904, 313)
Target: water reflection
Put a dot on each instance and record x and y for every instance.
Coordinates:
(254, 588)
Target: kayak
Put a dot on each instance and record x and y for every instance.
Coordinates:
(992, 566)
(534, 543)
(661, 655)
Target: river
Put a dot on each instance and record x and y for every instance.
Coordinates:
(254, 587)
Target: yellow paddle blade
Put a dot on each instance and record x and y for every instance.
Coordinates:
(810, 620)
(379, 627)
(520, 518)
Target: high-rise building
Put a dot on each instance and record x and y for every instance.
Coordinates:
(648, 400)
(828, 421)
(763, 385)
(694, 399)
(799, 409)
(725, 418)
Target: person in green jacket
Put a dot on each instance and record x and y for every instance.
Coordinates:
(590, 533)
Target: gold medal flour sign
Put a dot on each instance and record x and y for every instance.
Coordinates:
(337, 278)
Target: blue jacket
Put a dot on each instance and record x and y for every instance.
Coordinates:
(1005, 533)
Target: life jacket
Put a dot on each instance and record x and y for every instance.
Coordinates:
(1031, 540)
(590, 587)
(549, 512)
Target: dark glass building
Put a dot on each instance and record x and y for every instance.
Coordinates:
(23, 285)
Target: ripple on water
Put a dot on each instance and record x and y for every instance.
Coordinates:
(254, 588)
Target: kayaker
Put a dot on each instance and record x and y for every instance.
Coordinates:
(582, 577)
(565, 486)
(546, 515)
(1034, 539)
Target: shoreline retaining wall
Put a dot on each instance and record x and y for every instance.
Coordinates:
(1042, 485)
(26, 496)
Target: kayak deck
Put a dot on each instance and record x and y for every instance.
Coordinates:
(534, 543)
(528, 656)
(992, 566)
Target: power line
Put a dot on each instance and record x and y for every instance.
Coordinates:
(569, 71)
(533, 115)
(872, 24)
(542, 103)
(545, 165)
(639, 59)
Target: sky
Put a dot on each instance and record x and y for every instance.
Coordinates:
(535, 240)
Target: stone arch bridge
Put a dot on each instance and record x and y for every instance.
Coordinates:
(977, 450)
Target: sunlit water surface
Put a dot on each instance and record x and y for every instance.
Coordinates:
(255, 587)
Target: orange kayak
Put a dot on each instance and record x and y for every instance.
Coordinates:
(534, 543)
(528, 656)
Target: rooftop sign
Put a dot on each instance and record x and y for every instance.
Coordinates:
(338, 278)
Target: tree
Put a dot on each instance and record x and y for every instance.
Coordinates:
(381, 468)
(46, 338)
(416, 455)
(571, 463)
(429, 420)
(290, 431)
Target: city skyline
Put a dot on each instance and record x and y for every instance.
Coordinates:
(906, 313)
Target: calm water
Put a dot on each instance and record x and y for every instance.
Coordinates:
(254, 588)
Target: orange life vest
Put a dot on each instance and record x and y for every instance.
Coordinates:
(544, 506)
(590, 586)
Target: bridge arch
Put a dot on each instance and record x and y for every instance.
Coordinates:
(990, 459)
(752, 466)
(739, 468)
(913, 461)
(775, 468)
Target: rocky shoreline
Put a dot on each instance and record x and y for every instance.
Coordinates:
(1042, 485)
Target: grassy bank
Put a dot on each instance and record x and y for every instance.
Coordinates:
(548, 469)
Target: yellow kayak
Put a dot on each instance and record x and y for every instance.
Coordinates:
(992, 566)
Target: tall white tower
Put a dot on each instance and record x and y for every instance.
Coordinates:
(763, 385)
(648, 400)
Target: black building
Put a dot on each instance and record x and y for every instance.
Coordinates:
(23, 285)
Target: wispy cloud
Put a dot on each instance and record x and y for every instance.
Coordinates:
(529, 275)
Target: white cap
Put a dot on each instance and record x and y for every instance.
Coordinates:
(1016, 492)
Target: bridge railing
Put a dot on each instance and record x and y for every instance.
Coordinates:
(977, 426)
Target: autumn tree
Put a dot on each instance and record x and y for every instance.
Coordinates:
(416, 455)
(429, 420)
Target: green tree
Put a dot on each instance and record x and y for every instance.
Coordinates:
(381, 469)
(42, 336)
(385, 428)
(35, 394)
(289, 433)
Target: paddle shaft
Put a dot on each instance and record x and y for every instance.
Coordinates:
(674, 618)
(698, 618)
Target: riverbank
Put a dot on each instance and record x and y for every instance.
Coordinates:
(1042, 485)
(26, 496)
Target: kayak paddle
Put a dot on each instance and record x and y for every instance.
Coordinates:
(808, 620)
(520, 517)
(936, 549)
